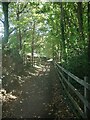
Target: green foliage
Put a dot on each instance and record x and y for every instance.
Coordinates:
(49, 18)
(78, 65)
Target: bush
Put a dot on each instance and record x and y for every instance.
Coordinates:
(78, 65)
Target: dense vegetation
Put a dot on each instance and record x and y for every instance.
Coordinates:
(55, 30)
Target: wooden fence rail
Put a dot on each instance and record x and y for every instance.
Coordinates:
(61, 71)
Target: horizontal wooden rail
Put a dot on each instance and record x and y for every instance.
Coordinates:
(63, 79)
(74, 102)
(82, 98)
(80, 81)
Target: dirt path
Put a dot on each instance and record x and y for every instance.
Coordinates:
(37, 96)
(34, 98)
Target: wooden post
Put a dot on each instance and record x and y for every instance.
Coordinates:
(69, 82)
(85, 95)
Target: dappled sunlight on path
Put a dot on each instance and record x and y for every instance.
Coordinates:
(37, 96)
(34, 96)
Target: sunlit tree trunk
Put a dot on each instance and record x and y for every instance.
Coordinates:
(62, 31)
(19, 34)
(32, 45)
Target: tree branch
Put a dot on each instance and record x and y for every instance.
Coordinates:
(2, 21)
(12, 30)
(23, 8)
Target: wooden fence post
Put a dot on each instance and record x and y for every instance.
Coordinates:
(85, 95)
(68, 81)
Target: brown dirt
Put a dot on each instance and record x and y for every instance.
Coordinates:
(38, 96)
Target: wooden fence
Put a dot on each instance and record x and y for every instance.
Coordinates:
(65, 78)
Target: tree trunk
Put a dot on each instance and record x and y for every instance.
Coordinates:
(89, 40)
(80, 21)
(32, 47)
(88, 92)
(19, 30)
(62, 31)
(6, 23)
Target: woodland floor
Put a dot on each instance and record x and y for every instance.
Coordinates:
(38, 95)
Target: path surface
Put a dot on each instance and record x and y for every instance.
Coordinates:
(36, 96)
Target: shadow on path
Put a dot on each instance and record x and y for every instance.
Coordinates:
(34, 96)
(39, 96)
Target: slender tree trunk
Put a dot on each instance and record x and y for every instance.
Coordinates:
(80, 20)
(88, 92)
(32, 47)
(89, 40)
(6, 23)
(62, 30)
(53, 50)
(19, 37)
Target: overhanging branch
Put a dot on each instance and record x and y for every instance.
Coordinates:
(12, 30)
(2, 21)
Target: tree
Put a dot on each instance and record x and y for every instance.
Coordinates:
(33, 40)
(6, 22)
(20, 9)
(88, 93)
(80, 20)
(89, 40)
(62, 30)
